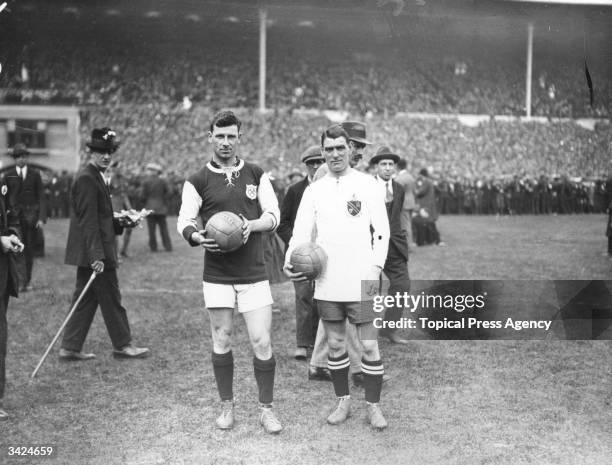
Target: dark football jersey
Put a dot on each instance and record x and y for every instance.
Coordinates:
(235, 191)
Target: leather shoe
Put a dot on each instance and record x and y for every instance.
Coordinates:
(73, 355)
(131, 351)
(271, 424)
(342, 412)
(301, 353)
(375, 417)
(394, 338)
(318, 374)
(226, 419)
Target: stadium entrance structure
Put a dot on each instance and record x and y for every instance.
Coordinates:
(50, 133)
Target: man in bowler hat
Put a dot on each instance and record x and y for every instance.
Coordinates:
(91, 248)
(27, 199)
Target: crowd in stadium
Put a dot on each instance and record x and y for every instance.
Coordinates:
(159, 92)
(376, 87)
(366, 79)
(511, 196)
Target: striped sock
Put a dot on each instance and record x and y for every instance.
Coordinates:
(223, 367)
(264, 375)
(372, 379)
(339, 369)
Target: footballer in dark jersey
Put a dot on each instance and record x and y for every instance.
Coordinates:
(238, 278)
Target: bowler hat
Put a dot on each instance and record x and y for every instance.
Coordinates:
(312, 153)
(384, 153)
(103, 140)
(19, 150)
(356, 131)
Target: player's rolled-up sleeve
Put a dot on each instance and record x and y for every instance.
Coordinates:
(267, 200)
(187, 222)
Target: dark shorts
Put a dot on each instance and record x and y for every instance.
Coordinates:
(356, 312)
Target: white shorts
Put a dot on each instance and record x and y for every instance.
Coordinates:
(248, 296)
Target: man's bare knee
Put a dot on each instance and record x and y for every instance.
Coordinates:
(222, 337)
(261, 343)
(370, 349)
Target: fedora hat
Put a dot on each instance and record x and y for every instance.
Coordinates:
(384, 153)
(103, 140)
(312, 153)
(19, 150)
(356, 131)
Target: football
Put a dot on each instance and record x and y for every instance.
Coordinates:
(308, 258)
(226, 229)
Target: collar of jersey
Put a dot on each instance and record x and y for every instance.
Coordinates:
(216, 168)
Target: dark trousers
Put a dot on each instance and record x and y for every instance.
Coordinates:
(152, 221)
(104, 291)
(3, 341)
(396, 271)
(26, 258)
(127, 235)
(306, 314)
(610, 245)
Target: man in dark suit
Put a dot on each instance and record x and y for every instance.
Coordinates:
(10, 244)
(27, 199)
(396, 264)
(306, 315)
(92, 247)
(405, 179)
(428, 210)
(155, 194)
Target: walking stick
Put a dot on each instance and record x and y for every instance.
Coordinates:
(93, 276)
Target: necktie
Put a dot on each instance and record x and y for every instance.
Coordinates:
(388, 194)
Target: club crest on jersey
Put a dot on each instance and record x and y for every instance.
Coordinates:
(251, 191)
(353, 206)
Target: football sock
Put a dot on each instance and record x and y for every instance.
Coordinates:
(223, 367)
(264, 375)
(372, 379)
(339, 369)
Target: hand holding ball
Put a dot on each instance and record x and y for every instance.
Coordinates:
(309, 259)
(226, 229)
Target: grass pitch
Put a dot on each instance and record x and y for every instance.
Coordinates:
(449, 402)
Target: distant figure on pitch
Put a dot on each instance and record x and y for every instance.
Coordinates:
(92, 247)
(425, 219)
(118, 186)
(27, 199)
(155, 193)
(406, 180)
